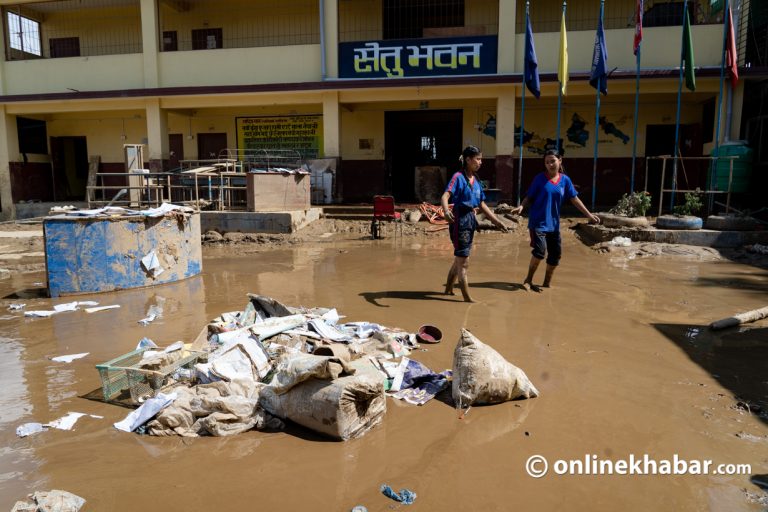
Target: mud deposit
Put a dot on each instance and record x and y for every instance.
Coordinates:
(619, 350)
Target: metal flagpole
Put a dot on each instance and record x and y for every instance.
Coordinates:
(597, 123)
(559, 103)
(522, 124)
(637, 110)
(713, 167)
(677, 117)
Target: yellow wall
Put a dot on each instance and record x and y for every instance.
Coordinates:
(237, 66)
(102, 130)
(246, 23)
(661, 48)
(113, 72)
(101, 31)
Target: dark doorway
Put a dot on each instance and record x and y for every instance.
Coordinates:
(659, 140)
(64, 47)
(175, 150)
(417, 138)
(69, 157)
(209, 145)
(207, 38)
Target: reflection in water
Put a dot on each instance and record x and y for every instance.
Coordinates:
(14, 402)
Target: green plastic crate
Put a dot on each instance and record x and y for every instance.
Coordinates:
(114, 379)
(144, 383)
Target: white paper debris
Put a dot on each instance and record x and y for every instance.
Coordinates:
(151, 264)
(101, 308)
(27, 429)
(69, 358)
(146, 343)
(147, 411)
(16, 307)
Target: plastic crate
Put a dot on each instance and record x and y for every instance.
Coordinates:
(144, 383)
(114, 379)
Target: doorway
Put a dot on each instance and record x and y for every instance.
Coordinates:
(69, 157)
(417, 138)
(209, 145)
(175, 150)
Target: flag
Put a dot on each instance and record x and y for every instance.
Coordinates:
(562, 65)
(638, 26)
(731, 57)
(531, 67)
(690, 75)
(598, 77)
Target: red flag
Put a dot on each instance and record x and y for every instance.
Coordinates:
(731, 57)
(638, 25)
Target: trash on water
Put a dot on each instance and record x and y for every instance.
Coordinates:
(66, 422)
(16, 307)
(69, 358)
(406, 497)
(50, 501)
(146, 412)
(101, 308)
(60, 308)
(621, 241)
(27, 429)
(154, 312)
(146, 343)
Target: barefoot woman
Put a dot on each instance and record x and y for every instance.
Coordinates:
(465, 194)
(545, 196)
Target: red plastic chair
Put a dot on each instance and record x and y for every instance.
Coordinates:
(384, 210)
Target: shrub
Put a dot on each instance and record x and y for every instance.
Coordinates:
(691, 206)
(632, 205)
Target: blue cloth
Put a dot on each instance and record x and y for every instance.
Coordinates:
(464, 197)
(546, 198)
(547, 243)
(531, 64)
(405, 497)
(598, 77)
(462, 233)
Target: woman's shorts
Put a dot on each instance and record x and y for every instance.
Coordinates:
(549, 243)
(463, 233)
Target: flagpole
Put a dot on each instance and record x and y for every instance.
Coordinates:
(677, 117)
(637, 110)
(522, 122)
(559, 102)
(597, 121)
(713, 167)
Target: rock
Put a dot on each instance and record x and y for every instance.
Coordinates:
(212, 236)
(234, 237)
(414, 216)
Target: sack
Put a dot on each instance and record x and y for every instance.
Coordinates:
(482, 376)
(344, 408)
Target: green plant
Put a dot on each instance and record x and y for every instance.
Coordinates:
(691, 206)
(632, 205)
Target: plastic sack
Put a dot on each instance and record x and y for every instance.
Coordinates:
(482, 376)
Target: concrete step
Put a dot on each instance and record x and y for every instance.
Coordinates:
(349, 216)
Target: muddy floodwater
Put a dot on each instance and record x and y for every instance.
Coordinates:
(618, 348)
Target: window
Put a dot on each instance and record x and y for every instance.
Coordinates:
(405, 19)
(64, 47)
(33, 137)
(207, 39)
(170, 41)
(24, 34)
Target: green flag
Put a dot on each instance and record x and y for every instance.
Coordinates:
(690, 75)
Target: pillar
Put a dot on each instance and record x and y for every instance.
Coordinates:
(9, 146)
(157, 136)
(150, 41)
(505, 142)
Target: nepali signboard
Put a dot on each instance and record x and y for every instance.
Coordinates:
(476, 55)
(302, 133)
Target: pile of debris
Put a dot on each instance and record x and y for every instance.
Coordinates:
(256, 368)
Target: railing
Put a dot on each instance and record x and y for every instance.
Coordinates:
(675, 190)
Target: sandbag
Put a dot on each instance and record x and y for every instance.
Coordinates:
(482, 376)
(345, 408)
(297, 368)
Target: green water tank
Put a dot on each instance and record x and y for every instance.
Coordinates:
(742, 166)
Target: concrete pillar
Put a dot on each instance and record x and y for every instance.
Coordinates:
(507, 18)
(331, 125)
(150, 41)
(157, 136)
(737, 104)
(9, 147)
(331, 26)
(505, 141)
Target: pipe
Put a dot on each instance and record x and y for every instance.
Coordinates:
(323, 71)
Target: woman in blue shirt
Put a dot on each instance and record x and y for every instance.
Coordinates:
(465, 193)
(545, 196)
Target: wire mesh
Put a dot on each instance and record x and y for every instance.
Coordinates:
(72, 28)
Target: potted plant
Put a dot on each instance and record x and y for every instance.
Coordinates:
(683, 215)
(629, 211)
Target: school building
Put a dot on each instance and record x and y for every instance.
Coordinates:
(383, 87)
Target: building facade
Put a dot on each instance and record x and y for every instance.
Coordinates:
(382, 86)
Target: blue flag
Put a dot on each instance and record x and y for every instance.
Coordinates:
(598, 78)
(531, 66)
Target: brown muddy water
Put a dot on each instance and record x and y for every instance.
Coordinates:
(618, 349)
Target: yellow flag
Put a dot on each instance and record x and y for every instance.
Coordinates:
(562, 66)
